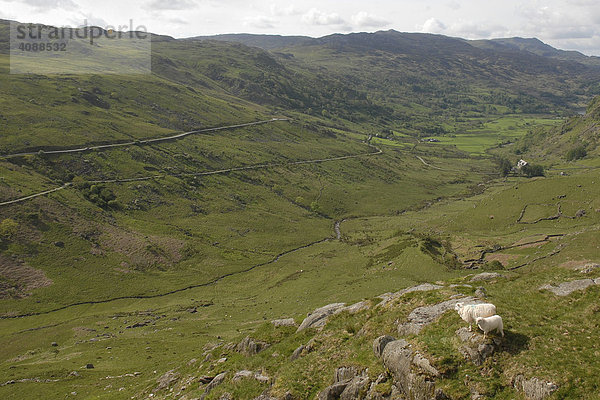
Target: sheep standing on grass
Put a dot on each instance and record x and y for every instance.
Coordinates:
(489, 324)
(470, 312)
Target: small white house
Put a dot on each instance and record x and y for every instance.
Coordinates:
(521, 164)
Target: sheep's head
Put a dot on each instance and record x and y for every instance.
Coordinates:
(458, 306)
(478, 320)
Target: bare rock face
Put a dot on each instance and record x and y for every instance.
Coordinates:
(318, 318)
(422, 316)
(303, 349)
(413, 374)
(475, 347)
(534, 388)
(566, 288)
(249, 346)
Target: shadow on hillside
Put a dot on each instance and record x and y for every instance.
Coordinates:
(514, 342)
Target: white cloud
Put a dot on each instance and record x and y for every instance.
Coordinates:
(433, 25)
(260, 21)
(49, 4)
(171, 5)
(279, 11)
(365, 20)
(317, 17)
(453, 4)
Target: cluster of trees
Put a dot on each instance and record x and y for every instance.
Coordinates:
(505, 167)
(576, 153)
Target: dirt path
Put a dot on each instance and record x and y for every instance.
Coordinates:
(429, 165)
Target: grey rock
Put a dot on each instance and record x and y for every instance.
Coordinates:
(475, 348)
(424, 364)
(242, 374)
(566, 288)
(380, 343)
(298, 352)
(357, 307)
(534, 388)
(249, 346)
(355, 387)
(332, 392)
(422, 316)
(213, 384)
(303, 349)
(166, 380)
(318, 318)
(486, 276)
(412, 381)
(343, 374)
(284, 322)
(389, 297)
(587, 268)
(480, 292)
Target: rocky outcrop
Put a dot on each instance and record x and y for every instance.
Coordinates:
(423, 316)
(166, 380)
(566, 288)
(348, 384)
(303, 349)
(246, 374)
(534, 388)
(213, 384)
(357, 307)
(318, 318)
(249, 346)
(474, 347)
(387, 298)
(413, 375)
(284, 322)
(486, 276)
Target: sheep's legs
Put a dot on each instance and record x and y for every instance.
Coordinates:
(470, 328)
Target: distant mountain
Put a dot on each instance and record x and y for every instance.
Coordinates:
(266, 42)
(535, 46)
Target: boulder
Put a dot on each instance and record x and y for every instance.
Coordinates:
(423, 316)
(249, 346)
(318, 318)
(534, 388)
(566, 288)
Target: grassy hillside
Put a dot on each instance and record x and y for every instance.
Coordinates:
(151, 257)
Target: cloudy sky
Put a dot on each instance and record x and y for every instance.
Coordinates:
(565, 24)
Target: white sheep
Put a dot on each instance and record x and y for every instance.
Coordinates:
(489, 324)
(470, 312)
